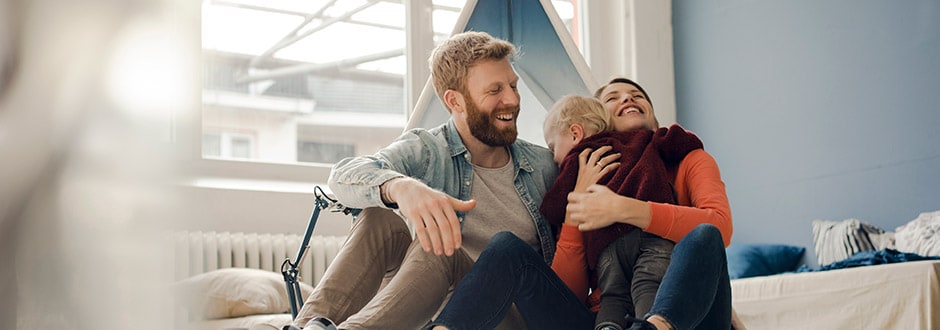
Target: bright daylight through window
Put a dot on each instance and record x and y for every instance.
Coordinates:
(311, 81)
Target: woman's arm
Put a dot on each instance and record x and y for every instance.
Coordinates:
(702, 199)
(570, 263)
(701, 195)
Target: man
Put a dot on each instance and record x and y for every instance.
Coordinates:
(436, 178)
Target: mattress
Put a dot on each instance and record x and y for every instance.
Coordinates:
(892, 296)
(250, 322)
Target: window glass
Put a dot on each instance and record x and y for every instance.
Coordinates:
(317, 152)
(569, 16)
(211, 144)
(240, 147)
(309, 81)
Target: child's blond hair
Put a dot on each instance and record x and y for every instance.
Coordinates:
(576, 109)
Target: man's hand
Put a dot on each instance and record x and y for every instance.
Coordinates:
(433, 213)
(600, 207)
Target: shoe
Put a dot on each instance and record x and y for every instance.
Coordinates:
(320, 323)
(639, 324)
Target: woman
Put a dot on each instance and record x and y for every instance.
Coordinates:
(695, 291)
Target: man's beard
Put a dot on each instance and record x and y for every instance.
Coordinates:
(483, 128)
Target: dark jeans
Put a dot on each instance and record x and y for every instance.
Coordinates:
(695, 292)
(629, 272)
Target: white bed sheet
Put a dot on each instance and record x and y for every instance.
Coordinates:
(250, 322)
(893, 296)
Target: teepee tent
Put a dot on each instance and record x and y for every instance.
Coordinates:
(549, 64)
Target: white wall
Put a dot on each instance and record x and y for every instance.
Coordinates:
(252, 207)
(633, 39)
(814, 109)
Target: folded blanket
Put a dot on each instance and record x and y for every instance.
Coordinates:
(868, 258)
(644, 158)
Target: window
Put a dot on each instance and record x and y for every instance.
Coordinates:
(313, 81)
(227, 145)
(318, 152)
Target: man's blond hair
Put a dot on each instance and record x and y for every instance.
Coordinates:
(451, 60)
(576, 109)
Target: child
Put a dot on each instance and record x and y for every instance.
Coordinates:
(627, 263)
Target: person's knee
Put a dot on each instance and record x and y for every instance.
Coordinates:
(379, 219)
(506, 245)
(606, 259)
(709, 235)
(450, 268)
(707, 230)
(505, 239)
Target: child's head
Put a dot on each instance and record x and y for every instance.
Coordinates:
(572, 119)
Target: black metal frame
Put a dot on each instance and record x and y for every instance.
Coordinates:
(288, 267)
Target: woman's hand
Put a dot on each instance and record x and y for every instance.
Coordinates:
(599, 207)
(592, 166)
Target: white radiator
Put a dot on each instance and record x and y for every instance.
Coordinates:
(198, 252)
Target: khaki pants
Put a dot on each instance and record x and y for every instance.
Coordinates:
(352, 294)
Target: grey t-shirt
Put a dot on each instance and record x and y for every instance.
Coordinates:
(498, 208)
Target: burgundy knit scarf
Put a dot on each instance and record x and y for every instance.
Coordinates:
(644, 157)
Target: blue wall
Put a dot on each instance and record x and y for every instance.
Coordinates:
(814, 109)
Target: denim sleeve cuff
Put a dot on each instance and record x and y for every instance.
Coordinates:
(385, 197)
(362, 193)
(375, 192)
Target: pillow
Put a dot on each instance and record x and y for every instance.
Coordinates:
(920, 236)
(749, 260)
(838, 240)
(235, 292)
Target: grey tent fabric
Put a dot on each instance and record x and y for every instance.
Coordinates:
(547, 67)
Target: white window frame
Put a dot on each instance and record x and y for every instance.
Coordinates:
(632, 39)
(187, 129)
(225, 143)
(629, 38)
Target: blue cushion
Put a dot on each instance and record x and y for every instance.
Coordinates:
(748, 260)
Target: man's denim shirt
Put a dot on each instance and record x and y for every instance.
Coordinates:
(439, 158)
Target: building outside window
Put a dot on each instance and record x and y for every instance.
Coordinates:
(289, 81)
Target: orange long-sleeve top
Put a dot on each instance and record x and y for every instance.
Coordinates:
(701, 199)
